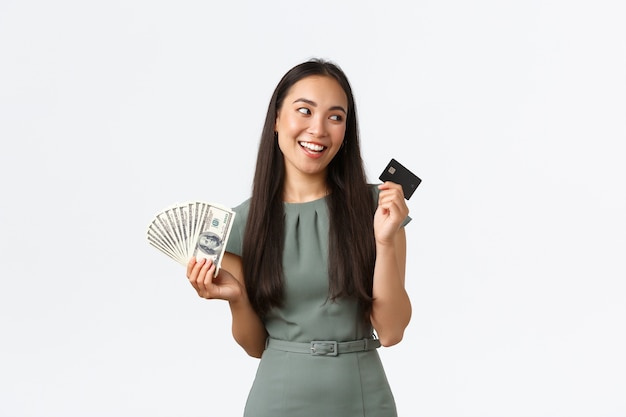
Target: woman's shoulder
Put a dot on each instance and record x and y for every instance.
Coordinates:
(242, 208)
(235, 241)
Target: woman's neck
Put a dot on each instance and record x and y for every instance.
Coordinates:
(303, 190)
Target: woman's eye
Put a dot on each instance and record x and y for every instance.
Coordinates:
(304, 110)
(336, 117)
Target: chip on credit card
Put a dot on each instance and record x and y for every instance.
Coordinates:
(398, 173)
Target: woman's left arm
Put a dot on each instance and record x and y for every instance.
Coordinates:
(391, 308)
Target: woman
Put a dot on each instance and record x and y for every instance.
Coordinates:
(316, 258)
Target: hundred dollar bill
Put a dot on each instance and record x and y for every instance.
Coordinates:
(213, 232)
(189, 229)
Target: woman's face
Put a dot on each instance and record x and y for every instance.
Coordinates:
(311, 124)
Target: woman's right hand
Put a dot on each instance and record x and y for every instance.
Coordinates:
(224, 286)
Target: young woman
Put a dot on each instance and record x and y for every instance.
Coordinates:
(315, 263)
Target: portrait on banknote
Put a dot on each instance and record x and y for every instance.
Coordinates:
(192, 229)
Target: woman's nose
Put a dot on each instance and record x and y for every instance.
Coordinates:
(318, 126)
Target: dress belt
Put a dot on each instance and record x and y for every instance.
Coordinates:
(323, 347)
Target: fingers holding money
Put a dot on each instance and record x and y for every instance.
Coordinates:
(200, 274)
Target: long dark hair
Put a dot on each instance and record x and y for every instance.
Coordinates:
(351, 206)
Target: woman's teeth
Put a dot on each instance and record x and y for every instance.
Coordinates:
(312, 146)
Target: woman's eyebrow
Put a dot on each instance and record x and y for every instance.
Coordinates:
(314, 104)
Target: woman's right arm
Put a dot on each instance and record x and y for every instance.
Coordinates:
(247, 328)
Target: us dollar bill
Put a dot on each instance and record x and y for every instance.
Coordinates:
(189, 229)
(213, 232)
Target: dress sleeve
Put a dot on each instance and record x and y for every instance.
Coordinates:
(235, 239)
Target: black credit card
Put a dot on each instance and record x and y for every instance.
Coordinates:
(396, 172)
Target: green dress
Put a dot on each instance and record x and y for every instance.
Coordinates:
(289, 384)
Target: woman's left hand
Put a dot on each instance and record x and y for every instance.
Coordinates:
(391, 212)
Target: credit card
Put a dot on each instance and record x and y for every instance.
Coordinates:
(398, 173)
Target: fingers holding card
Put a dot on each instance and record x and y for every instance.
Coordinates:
(398, 173)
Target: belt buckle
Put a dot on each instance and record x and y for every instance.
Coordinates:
(324, 348)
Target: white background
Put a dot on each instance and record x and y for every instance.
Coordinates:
(512, 113)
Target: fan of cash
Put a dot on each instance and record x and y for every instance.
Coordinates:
(189, 229)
